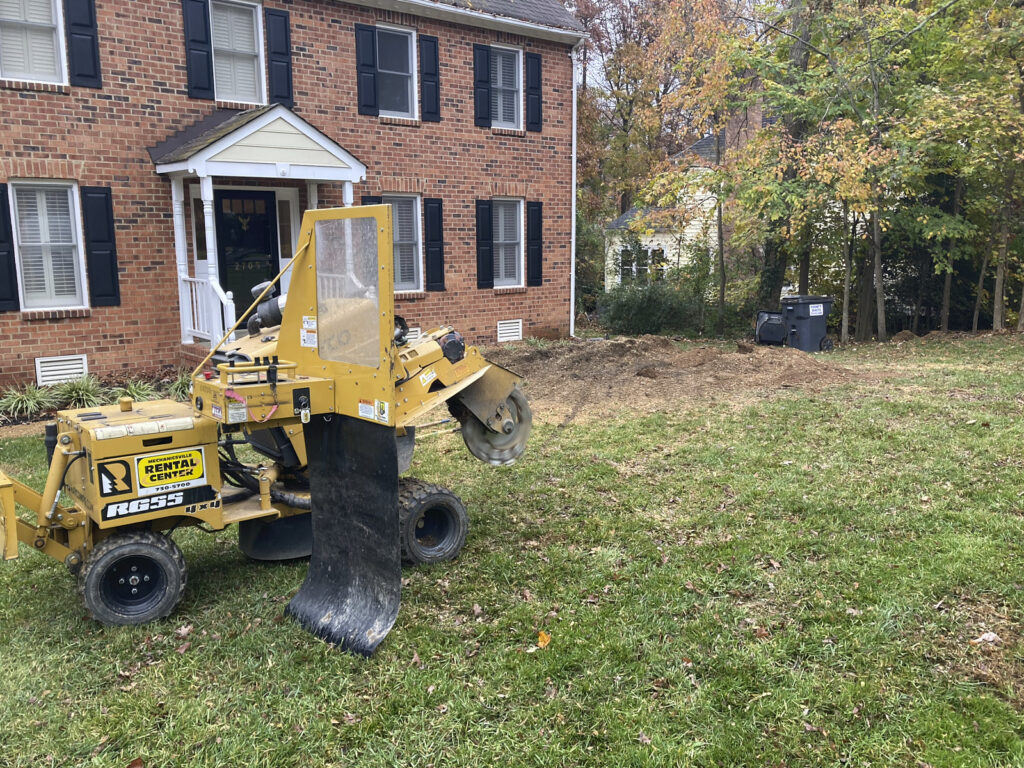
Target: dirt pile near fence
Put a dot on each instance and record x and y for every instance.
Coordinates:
(583, 380)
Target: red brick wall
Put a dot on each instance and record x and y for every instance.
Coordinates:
(99, 137)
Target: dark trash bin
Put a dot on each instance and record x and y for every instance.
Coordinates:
(802, 323)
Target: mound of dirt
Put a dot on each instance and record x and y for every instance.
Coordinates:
(582, 380)
(905, 336)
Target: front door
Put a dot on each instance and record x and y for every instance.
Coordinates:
(246, 241)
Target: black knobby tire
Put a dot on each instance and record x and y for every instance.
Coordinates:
(432, 522)
(133, 578)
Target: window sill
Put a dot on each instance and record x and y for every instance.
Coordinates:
(508, 132)
(509, 290)
(30, 85)
(409, 295)
(243, 105)
(407, 121)
(36, 315)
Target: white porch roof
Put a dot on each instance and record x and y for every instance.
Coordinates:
(270, 142)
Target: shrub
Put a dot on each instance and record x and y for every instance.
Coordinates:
(137, 389)
(649, 308)
(86, 392)
(27, 402)
(180, 385)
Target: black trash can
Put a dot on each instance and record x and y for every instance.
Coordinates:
(806, 318)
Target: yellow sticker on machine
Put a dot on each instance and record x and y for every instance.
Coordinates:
(160, 472)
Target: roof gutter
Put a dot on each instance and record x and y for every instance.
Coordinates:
(434, 10)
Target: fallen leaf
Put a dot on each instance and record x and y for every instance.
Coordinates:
(136, 763)
(643, 738)
(761, 633)
(351, 719)
(988, 638)
(183, 631)
(527, 595)
(853, 612)
(477, 610)
(416, 659)
(183, 647)
(431, 689)
(543, 639)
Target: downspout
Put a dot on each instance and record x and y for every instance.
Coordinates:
(572, 243)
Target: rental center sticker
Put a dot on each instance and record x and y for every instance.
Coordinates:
(161, 472)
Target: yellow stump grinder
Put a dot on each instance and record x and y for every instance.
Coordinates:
(319, 400)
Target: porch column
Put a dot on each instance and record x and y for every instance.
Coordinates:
(312, 196)
(181, 258)
(217, 326)
(346, 193)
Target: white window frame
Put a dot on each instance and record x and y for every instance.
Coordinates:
(261, 45)
(62, 52)
(521, 283)
(518, 126)
(414, 102)
(76, 205)
(418, 219)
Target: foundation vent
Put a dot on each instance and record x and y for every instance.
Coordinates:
(54, 370)
(510, 330)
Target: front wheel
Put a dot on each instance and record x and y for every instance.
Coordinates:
(432, 522)
(133, 578)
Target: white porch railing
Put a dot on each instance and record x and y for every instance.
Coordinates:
(206, 311)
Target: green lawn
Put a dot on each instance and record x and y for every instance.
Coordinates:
(795, 583)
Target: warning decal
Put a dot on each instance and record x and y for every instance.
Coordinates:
(366, 410)
(170, 471)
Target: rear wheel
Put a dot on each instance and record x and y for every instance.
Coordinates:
(432, 522)
(133, 578)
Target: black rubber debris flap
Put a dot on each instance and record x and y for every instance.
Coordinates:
(351, 593)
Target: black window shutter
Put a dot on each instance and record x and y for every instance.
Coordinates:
(8, 271)
(433, 242)
(100, 248)
(366, 69)
(372, 200)
(198, 48)
(279, 57)
(83, 43)
(430, 80)
(482, 85)
(535, 243)
(484, 245)
(534, 93)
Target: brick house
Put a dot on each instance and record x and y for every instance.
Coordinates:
(156, 157)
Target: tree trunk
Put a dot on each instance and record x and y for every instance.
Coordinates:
(844, 328)
(947, 285)
(998, 299)
(805, 271)
(947, 288)
(1020, 315)
(876, 246)
(773, 275)
(865, 298)
(979, 292)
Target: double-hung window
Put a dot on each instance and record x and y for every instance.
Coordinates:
(30, 41)
(48, 245)
(506, 94)
(405, 213)
(507, 216)
(395, 72)
(237, 44)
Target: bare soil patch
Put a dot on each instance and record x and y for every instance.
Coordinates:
(584, 380)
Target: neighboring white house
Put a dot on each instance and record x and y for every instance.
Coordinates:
(662, 246)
